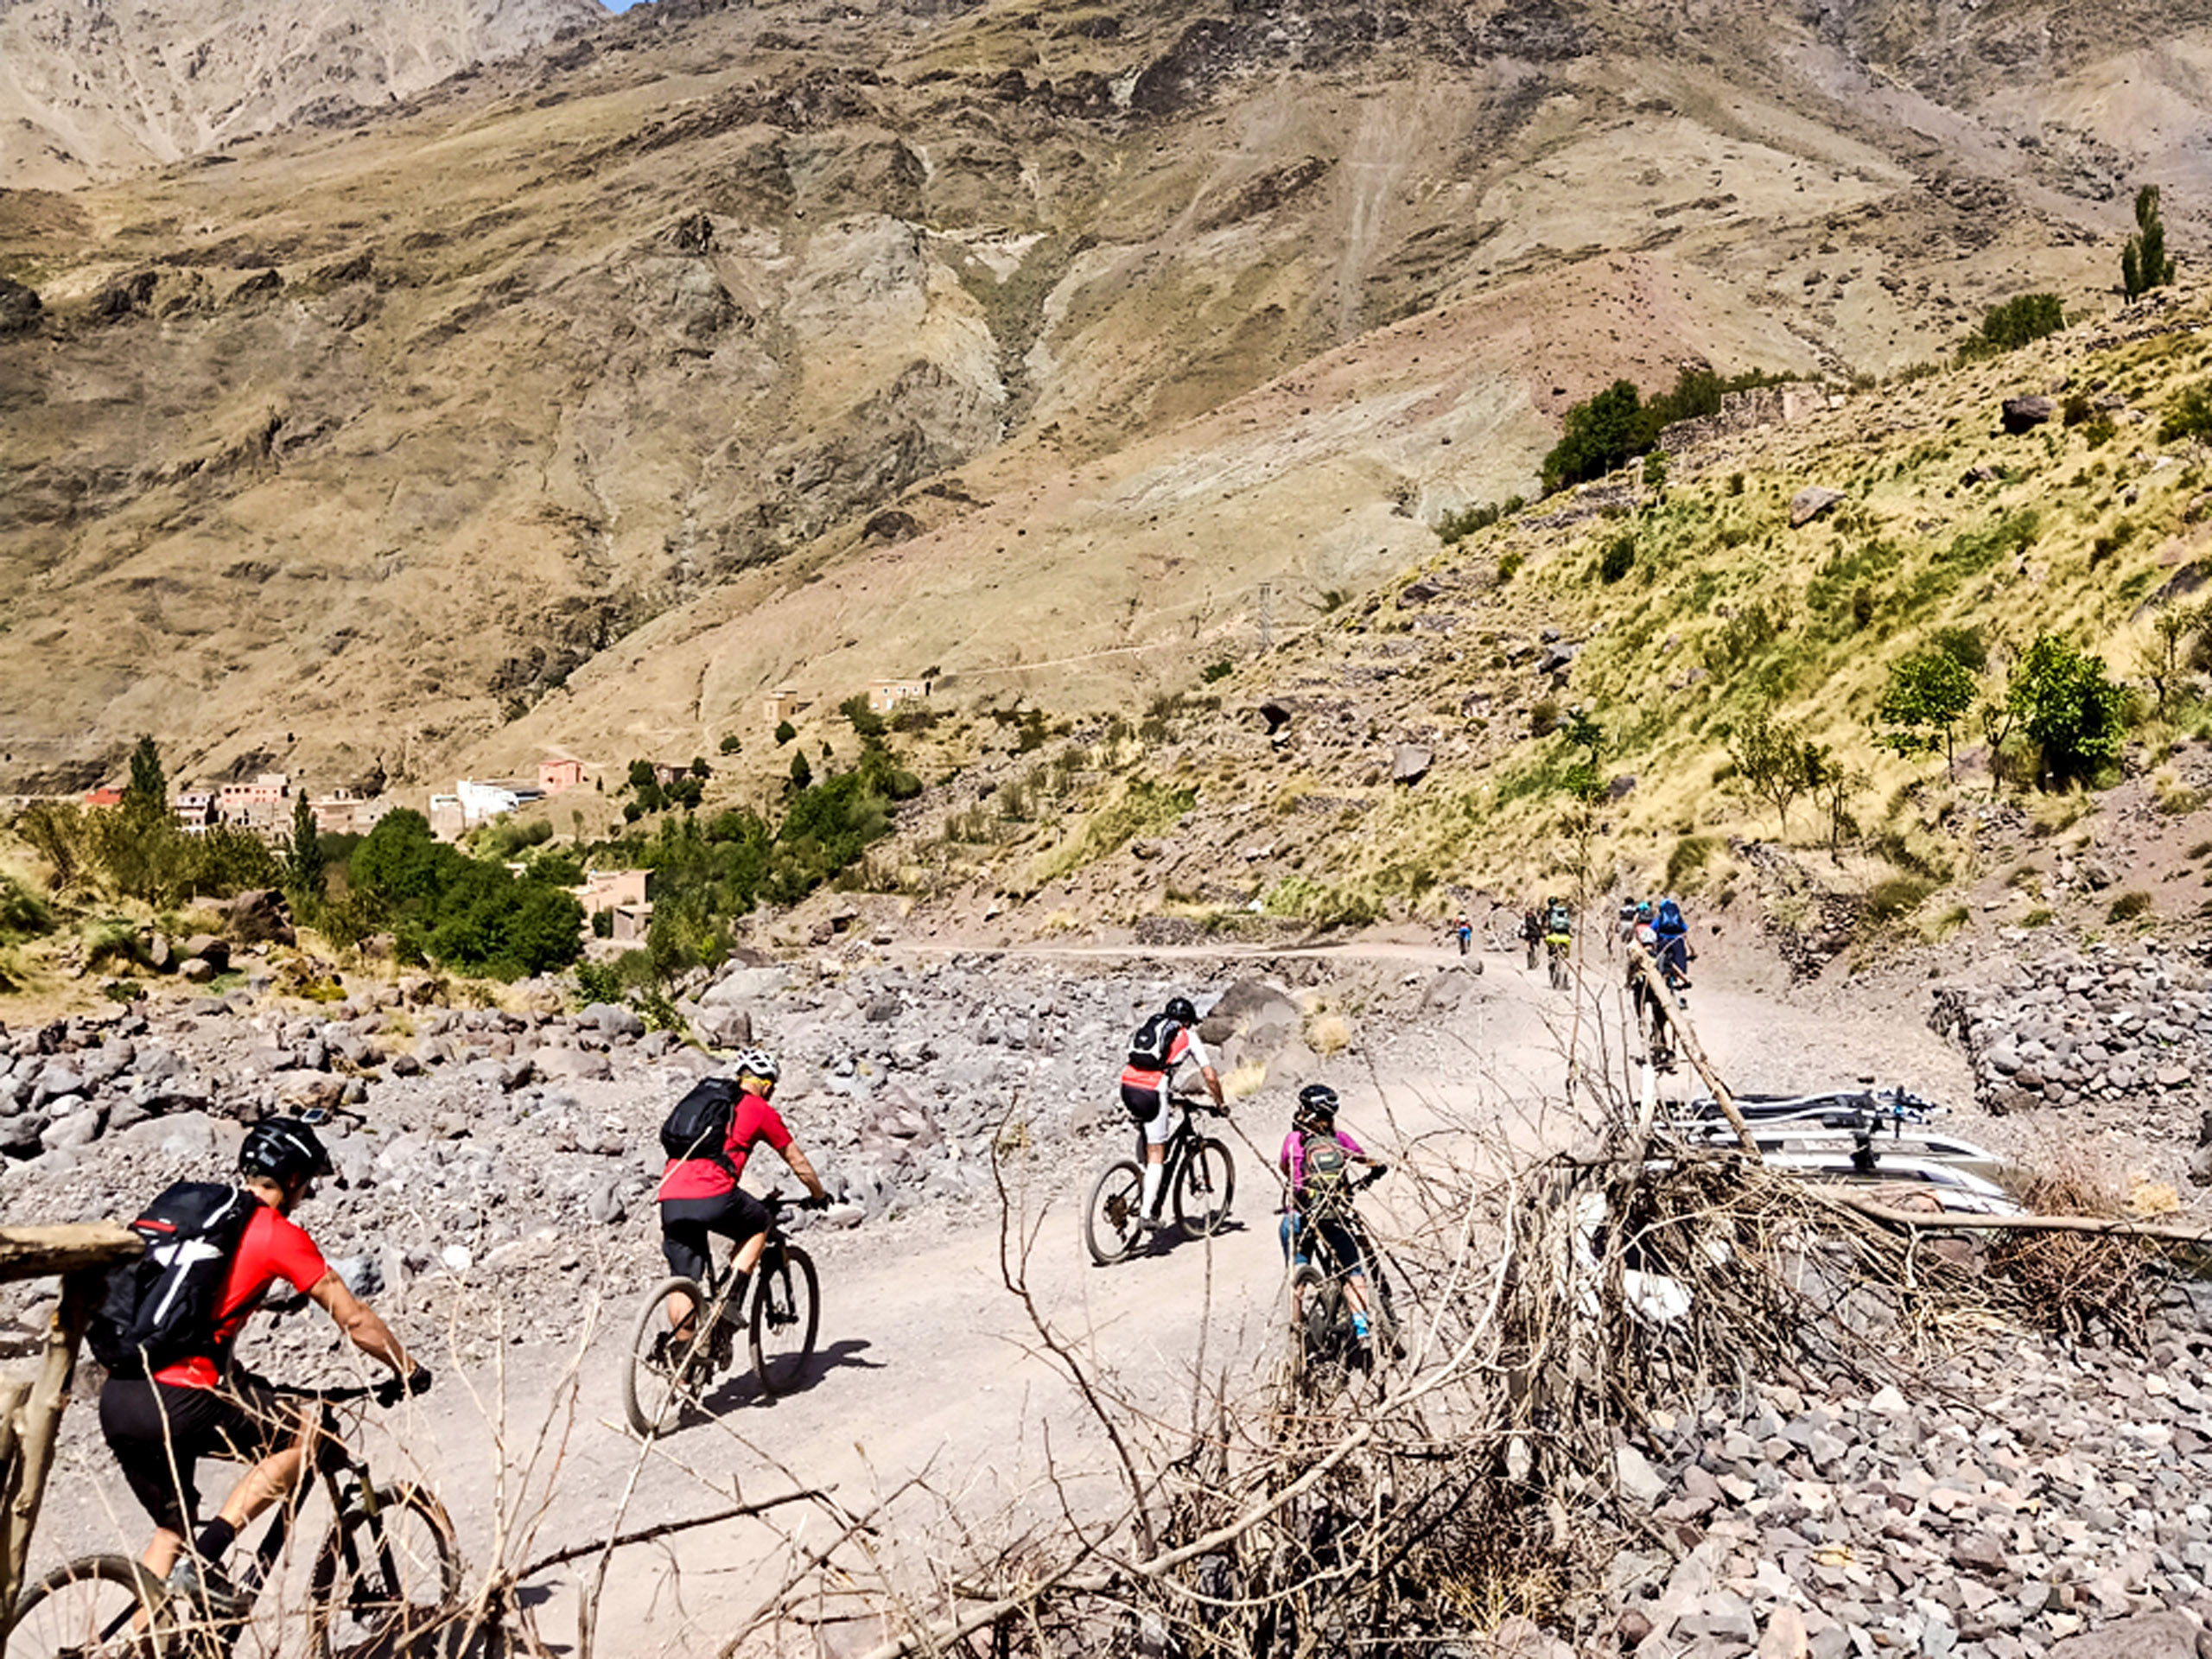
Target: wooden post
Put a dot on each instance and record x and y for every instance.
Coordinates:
(1644, 968)
(30, 1414)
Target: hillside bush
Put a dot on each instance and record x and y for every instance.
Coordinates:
(2189, 415)
(23, 914)
(2016, 322)
(1455, 527)
(2068, 707)
(1617, 559)
(1608, 430)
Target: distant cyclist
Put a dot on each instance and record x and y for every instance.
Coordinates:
(198, 1405)
(1315, 1163)
(1164, 1042)
(1464, 930)
(700, 1195)
(1532, 933)
(1675, 953)
(1644, 964)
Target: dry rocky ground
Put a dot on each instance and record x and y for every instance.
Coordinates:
(2012, 1496)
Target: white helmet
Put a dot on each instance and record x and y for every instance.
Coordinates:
(757, 1062)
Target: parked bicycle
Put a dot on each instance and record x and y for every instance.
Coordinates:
(388, 1573)
(1199, 1181)
(666, 1379)
(1329, 1350)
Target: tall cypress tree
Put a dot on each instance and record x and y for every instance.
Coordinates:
(2143, 262)
(303, 863)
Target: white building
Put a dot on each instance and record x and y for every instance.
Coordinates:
(487, 798)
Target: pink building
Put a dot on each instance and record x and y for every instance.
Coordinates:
(564, 772)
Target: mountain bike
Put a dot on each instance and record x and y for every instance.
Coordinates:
(1198, 1177)
(1328, 1350)
(1555, 947)
(388, 1573)
(665, 1378)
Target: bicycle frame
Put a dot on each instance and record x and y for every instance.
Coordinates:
(1181, 1145)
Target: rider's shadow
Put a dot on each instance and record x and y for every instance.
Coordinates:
(1169, 1240)
(744, 1388)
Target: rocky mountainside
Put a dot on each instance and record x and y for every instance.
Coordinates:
(581, 401)
(92, 92)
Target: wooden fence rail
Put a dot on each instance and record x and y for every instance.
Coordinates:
(30, 1408)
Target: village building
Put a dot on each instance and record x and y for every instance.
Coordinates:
(781, 704)
(485, 798)
(194, 808)
(344, 813)
(559, 773)
(106, 795)
(247, 803)
(884, 695)
(625, 894)
(445, 816)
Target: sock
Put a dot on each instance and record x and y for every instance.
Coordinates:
(216, 1537)
(1359, 1325)
(1152, 1175)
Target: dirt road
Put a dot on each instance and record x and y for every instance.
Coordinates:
(933, 1383)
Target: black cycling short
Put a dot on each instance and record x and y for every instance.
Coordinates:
(1143, 1104)
(685, 1224)
(147, 1424)
(1341, 1243)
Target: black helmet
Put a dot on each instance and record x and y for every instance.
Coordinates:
(1317, 1106)
(1181, 1011)
(284, 1150)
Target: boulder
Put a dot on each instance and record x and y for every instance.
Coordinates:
(197, 970)
(2146, 1636)
(742, 985)
(2025, 414)
(260, 916)
(1409, 763)
(719, 1026)
(572, 1065)
(20, 308)
(613, 1019)
(1810, 502)
(1261, 1014)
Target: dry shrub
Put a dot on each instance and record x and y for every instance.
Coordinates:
(2073, 1282)
(1328, 1033)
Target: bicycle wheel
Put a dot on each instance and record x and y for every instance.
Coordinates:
(93, 1608)
(382, 1586)
(1323, 1328)
(1559, 970)
(659, 1383)
(1204, 1188)
(786, 1315)
(1113, 1219)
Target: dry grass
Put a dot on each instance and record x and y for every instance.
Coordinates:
(1327, 1033)
(2077, 1283)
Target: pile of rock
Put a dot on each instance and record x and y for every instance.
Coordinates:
(2069, 1500)
(2075, 1028)
(64, 1085)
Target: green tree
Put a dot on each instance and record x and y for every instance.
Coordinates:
(2068, 707)
(2015, 323)
(146, 794)
(303, 859)
(2143, 264)
(1597, 435)
(784, 732)
(1771, 760)
(1926, 698)
(802, 773)
(642, 776)
(396, 863)
(865, 720)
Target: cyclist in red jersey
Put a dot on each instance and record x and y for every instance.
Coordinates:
(1145, 1094)
(701, 1196)
(159, 1427)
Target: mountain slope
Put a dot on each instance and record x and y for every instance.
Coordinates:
(91, 90)
(586, 399)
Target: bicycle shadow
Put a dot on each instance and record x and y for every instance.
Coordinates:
(744, 1388)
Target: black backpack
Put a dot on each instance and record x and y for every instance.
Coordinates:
(699, 1126)
(162, 1308)
(1150, 1042)
(1325, 1184)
